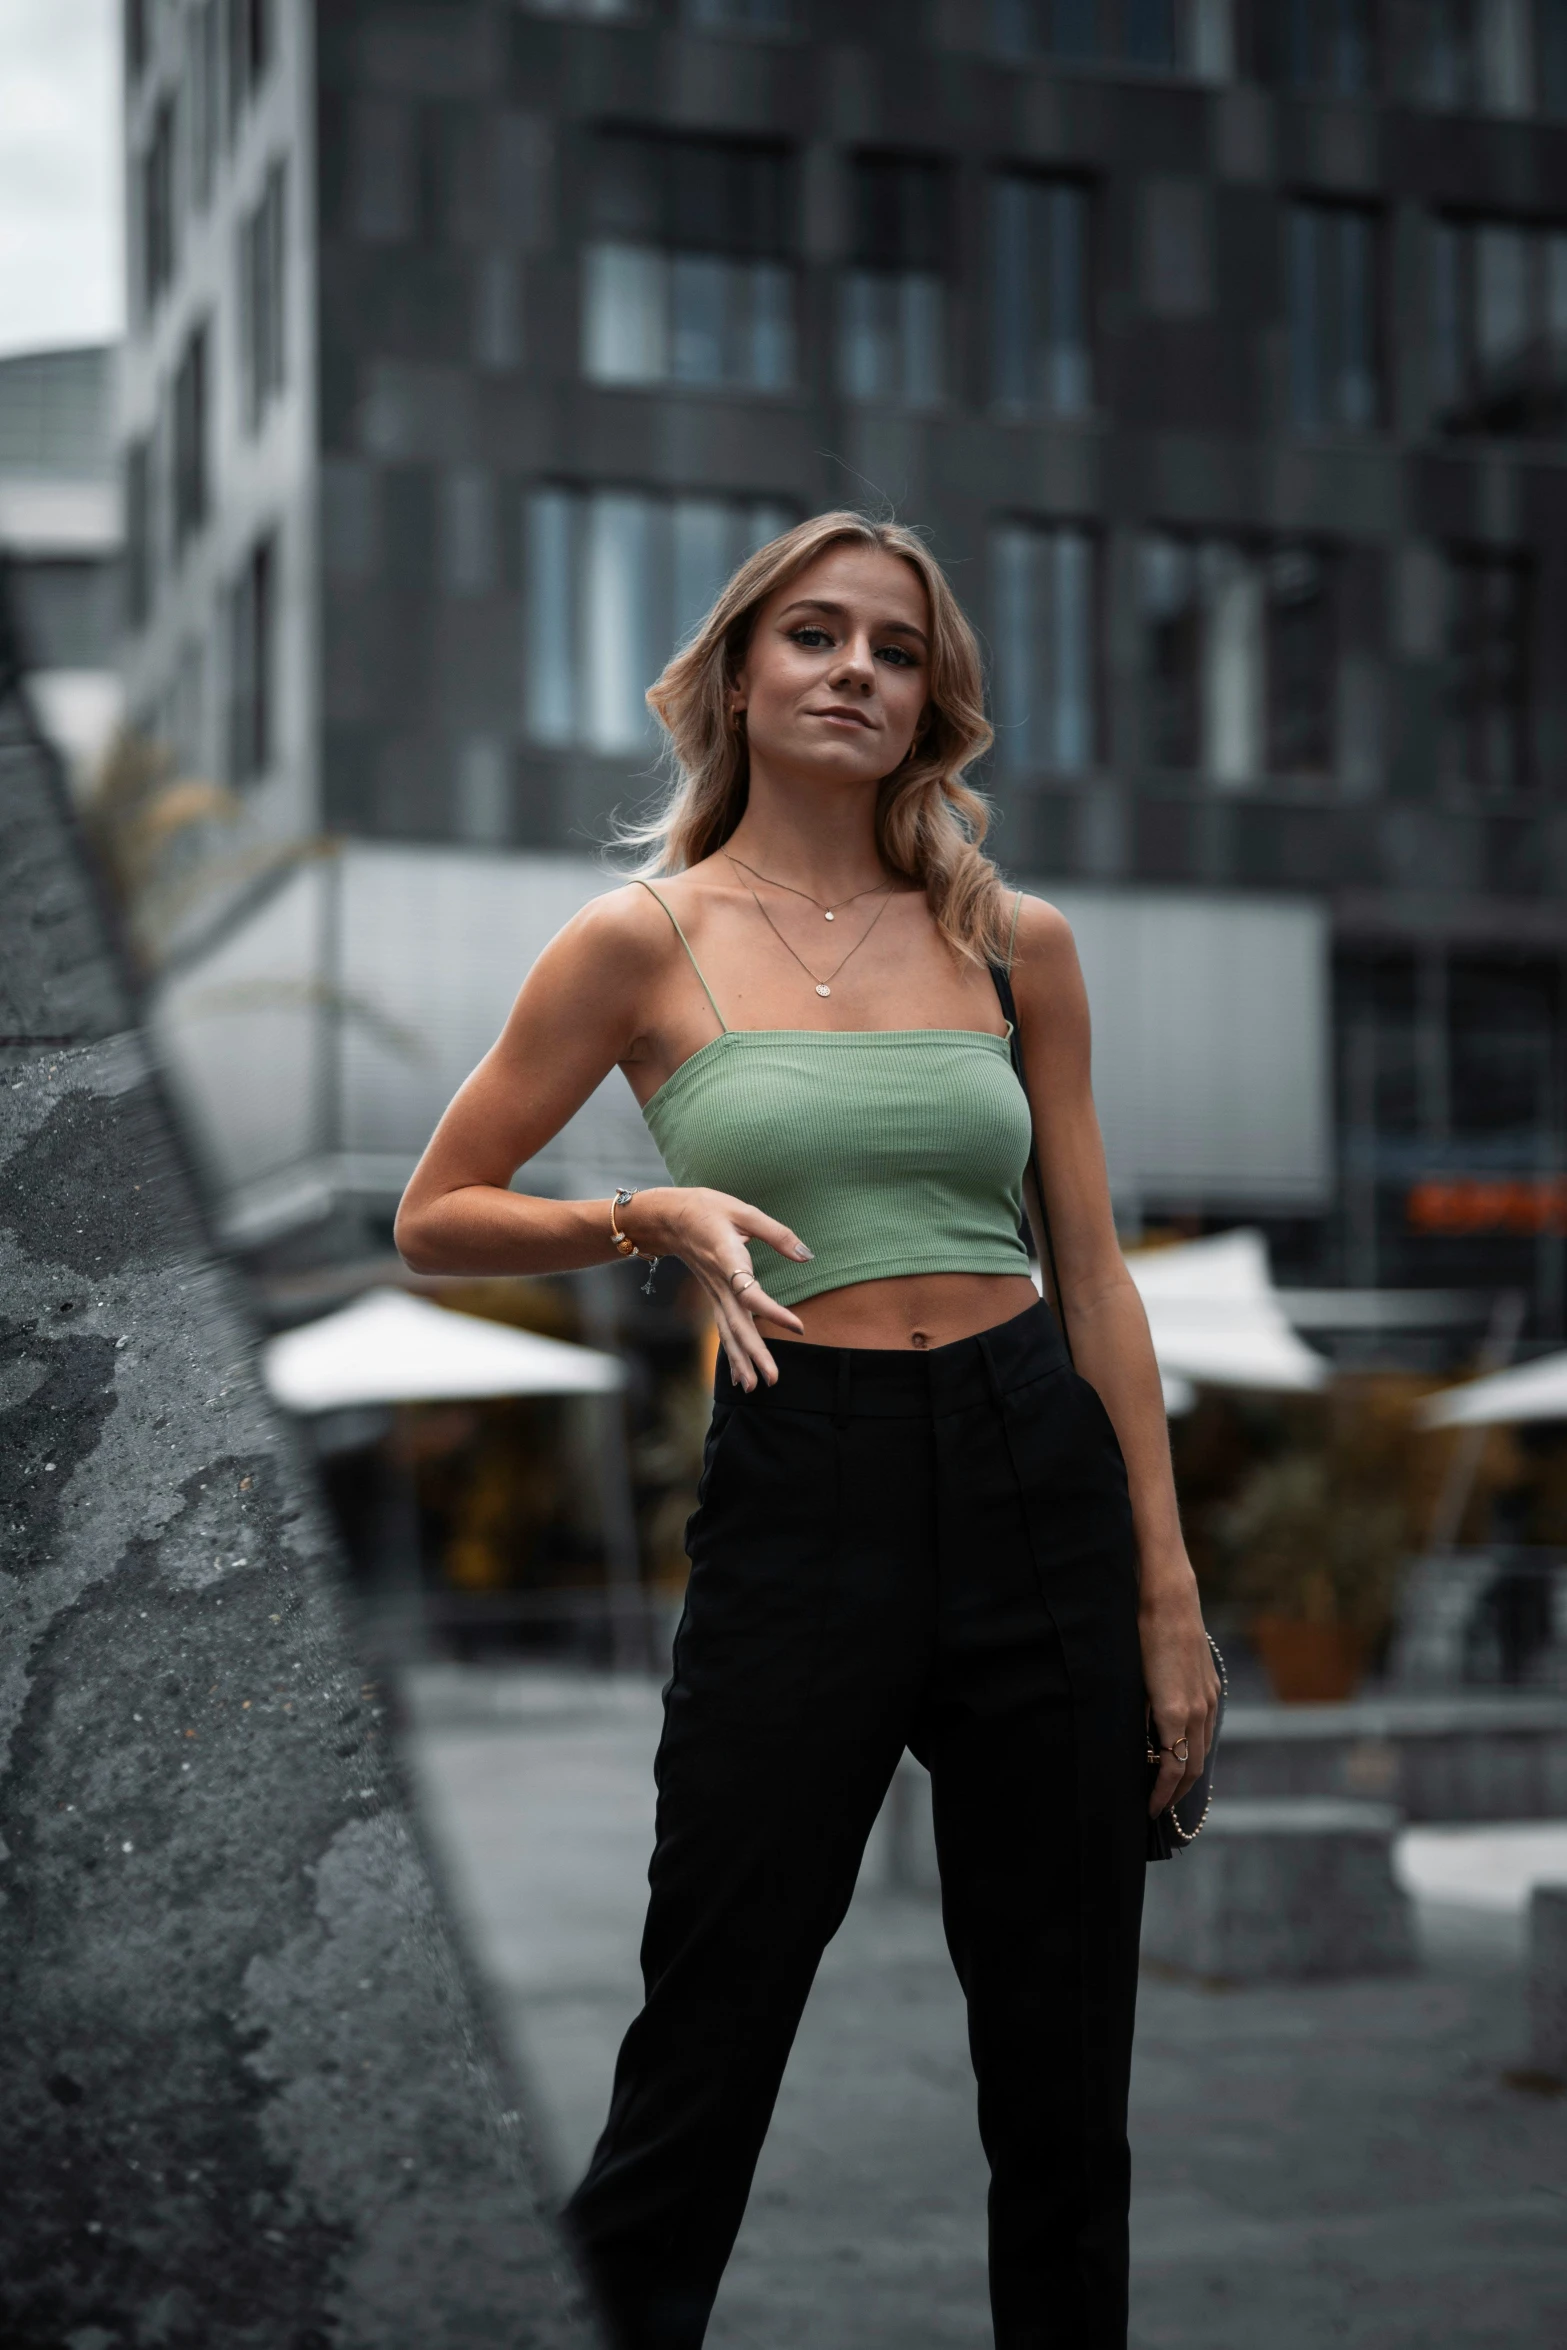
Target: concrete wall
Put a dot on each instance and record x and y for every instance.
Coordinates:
(246, 2097)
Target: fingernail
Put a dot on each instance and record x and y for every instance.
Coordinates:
(801, 1250)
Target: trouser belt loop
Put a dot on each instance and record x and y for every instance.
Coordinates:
(840, 1409)
(992, 1375)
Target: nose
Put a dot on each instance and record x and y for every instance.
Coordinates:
(854, 670)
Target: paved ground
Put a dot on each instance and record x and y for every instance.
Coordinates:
(1342, 2165)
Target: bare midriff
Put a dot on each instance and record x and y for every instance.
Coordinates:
(911, 1310)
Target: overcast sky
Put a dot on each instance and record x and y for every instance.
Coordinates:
(60, 263)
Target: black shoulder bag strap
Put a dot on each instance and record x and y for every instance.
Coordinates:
(1002, 977)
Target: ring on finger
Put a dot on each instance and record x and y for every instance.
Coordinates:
(742, 1279)
(1181, 1750)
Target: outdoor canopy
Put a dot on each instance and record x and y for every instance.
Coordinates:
(388, 1347)
(1216, 1319)
(1530, 1391)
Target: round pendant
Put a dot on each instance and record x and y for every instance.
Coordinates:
(822, 988)
(828, 917)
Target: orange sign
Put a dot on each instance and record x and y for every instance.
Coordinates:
(1449, 1205)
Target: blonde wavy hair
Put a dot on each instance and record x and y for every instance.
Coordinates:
(930, 824)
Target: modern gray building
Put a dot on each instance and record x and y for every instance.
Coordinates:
(1220, 345)
(60, 541)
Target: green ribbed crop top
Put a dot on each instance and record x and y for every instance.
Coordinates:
(889, 1151)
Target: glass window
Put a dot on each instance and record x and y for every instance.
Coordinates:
(1329, 45)
(747, 16)
(497, 312)
(137, 15)
(202, 98)
(1444, 58)
(1486, 740)
(252, 43)
(262, 252)
(616, 579)
(1041, 303)
(252, 659)
(158, 222)
(1301, 656)
(192, 486)
(1153, 35)
(138, 534)
(1498, 307)
(892, 298)
(466, 531)
(1505, 58)
(686, 277)
(1238, 660)
(1550, 48)
(1044, 615)
(1333, 317)
(1148, 35)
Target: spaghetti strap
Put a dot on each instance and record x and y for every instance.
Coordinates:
(1017, 908)
(686, 943)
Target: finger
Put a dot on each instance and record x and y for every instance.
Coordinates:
(745, 1339)
(1178, 1773)
(757, 1302)
(731, 1335)
(739, 1361)
(759, 1227)
(1164, 1786)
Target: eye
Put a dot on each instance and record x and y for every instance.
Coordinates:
(810, 636)
(899, 656)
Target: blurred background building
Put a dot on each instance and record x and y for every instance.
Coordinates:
(1220, 346)
(60, 540)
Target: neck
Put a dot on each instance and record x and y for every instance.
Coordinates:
(823, 842)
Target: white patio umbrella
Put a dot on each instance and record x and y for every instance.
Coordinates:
(1529, 1391)
(1218, 1321)
(388, 1347)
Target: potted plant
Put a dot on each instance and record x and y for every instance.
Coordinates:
(1317, 1549)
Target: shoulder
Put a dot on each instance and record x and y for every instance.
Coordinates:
(629, 921)
(621, 938)
(1046, 974)
(1042, 940)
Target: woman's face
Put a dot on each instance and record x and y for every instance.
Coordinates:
(837, 675)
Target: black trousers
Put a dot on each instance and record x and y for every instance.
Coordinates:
(889, 1549)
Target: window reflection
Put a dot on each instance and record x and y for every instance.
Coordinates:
(616, 578)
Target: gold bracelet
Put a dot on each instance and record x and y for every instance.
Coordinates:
(622, 1242)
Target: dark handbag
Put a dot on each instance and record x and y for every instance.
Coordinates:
(1179, 1824)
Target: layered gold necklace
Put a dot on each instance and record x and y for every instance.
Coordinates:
(822, 986)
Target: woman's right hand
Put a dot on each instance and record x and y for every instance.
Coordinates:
(711, 1233)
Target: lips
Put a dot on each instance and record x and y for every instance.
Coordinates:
(851, 717)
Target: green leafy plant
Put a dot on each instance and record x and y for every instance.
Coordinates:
(1311, 1539)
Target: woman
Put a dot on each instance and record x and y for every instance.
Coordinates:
(916, 1523)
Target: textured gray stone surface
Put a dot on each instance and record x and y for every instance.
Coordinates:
(247, 2097)
(1282, 1891)
(1548, 1979)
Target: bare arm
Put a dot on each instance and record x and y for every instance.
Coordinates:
(1110, 1342)
(577, 1016)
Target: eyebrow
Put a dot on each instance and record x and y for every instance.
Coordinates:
(825, 604)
